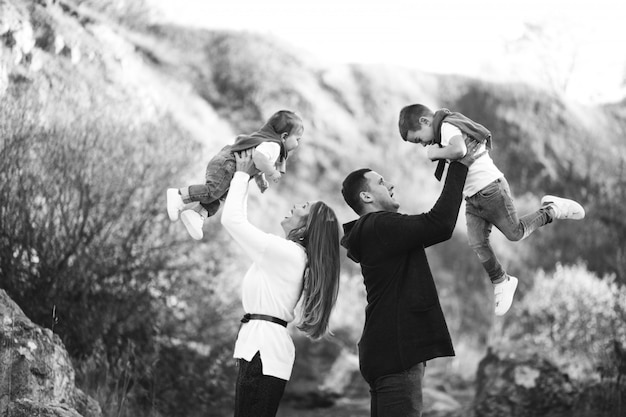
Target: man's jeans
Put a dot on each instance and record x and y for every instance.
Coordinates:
(493, 206)
(398, 395)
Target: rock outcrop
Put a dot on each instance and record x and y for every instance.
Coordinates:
(36, 374)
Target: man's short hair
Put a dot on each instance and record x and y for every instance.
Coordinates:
(410, 118)
(352, 187)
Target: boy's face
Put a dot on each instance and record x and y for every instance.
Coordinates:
(424, 135)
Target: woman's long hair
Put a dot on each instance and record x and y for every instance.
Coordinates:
(320, 237)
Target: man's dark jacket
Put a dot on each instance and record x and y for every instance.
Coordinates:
(404, 323)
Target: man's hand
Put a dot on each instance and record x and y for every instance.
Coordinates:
(456, 149)
(472, 153)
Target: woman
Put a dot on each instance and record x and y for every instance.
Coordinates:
(304, 265)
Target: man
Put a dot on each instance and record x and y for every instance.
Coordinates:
(404, 323)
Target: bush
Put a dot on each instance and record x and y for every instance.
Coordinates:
(85, 249)
(188, 380)
(78, 206)
(578, 319)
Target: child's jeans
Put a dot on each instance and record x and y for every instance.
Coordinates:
(219, 173)
(493, 206)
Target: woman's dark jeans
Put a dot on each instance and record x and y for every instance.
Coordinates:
(257, 395)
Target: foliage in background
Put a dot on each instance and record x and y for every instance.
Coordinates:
(575, 318)
(609, 218)
(85, 250)
(77, 210)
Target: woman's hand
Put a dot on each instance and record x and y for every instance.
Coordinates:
(245, 163)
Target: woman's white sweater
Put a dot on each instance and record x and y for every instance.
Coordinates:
(272, 285)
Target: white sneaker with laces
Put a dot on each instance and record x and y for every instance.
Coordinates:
(564, 208)
(503, 293)
(175, 204)
(193, 222)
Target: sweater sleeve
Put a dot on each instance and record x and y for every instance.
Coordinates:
(263, 248)
(252, 240)
(402, 232)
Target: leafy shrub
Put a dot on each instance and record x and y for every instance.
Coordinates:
(575, 317)
(85, 249)
(189, 379)
(78, 207)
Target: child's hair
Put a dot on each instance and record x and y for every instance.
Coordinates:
(410, 118)
(352, 186)
(285, 121)
(320, 237)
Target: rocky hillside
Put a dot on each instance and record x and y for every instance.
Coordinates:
(216, 84)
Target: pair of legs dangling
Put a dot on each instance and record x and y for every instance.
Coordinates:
(194, 203)
(493, 206)
(192, 214)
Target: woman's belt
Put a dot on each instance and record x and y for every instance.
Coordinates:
(247, 317)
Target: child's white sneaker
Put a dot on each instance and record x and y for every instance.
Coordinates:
(564, 208)
(193, 222)
(175, 203)
(503, 293)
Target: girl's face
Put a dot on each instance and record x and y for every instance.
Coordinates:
(292, 140)
(296, 218)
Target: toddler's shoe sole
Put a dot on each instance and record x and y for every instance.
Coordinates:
(193, 223)
(174, 204)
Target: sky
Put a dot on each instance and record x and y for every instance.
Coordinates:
(585, 45)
